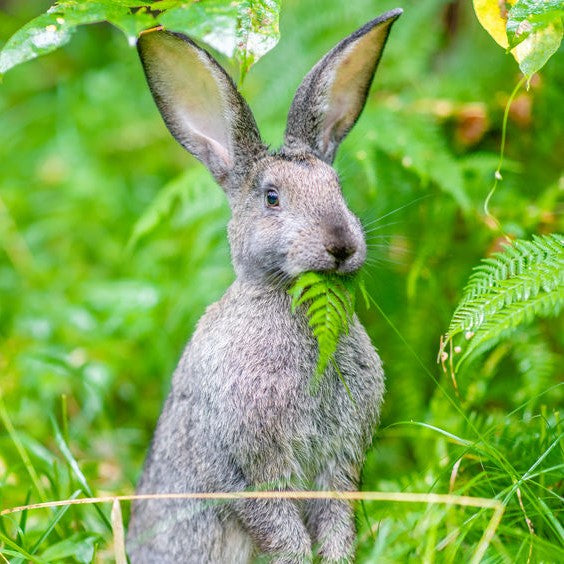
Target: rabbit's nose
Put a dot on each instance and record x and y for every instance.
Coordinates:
(340, 251)
(339, 242)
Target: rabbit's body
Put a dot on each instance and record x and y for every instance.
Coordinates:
(240, 414)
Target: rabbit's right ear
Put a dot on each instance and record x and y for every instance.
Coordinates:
(199, 103)
(332, 96)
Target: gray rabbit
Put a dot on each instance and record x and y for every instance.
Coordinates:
(240, 415)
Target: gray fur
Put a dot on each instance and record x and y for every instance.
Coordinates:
(240, 415)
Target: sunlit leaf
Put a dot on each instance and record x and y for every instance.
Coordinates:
(257, 31)
(492, 14)
(534, 29)
(239, 29)
(533, 53)
(56, 27)
(528, 17)
(214, 22)
(38, 37)
(531, 29)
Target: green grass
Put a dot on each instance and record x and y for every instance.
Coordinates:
(113, 242)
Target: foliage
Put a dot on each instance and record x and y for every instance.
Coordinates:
(508, 289)
(330, 300)
(242, 29)
(531, 29)
(91, 328)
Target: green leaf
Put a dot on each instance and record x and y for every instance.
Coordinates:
(528, 17)
(38, 37)
(504, 321)
(242, 29)
(331, 307)
(17, 551)
(364, 293)
(321, 314)
(75, 469)
(56, 27)
(79, 546)
(530, 29)
(214, 22)
(305, 280)
(257, 31)
(517, 274)
(533, 53)
(60, 512)
(510, 289)
(311, 293)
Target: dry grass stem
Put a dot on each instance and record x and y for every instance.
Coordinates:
(119, 533)
(400, 497)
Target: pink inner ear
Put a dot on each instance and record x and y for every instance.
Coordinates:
(187, 85)
(353, 73)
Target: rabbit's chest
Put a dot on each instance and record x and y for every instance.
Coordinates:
(256, 365)
(305, 431)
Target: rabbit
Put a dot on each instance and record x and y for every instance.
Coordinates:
(240, 414)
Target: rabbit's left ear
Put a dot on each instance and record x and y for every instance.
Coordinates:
(332, 96)
(200, 104)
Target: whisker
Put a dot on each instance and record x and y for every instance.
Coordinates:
(383, 226)
(398, 209)
(380, 240)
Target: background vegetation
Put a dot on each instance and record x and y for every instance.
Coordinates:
(112, 243)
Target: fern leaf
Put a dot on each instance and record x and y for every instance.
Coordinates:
(516, 314)
(330, 300)
(510, 289)
(515, 259)
(513, 276)
(306, 280)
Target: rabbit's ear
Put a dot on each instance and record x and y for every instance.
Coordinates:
(332, 96)
(199, 103)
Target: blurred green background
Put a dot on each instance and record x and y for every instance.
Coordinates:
(113, 242)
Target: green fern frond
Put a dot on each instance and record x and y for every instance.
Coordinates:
(330, 306)
(514, 315)
(523, 282)
(517, 274)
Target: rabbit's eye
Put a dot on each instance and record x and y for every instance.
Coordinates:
(272, 200)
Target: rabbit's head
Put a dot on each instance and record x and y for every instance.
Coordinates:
(288, 212)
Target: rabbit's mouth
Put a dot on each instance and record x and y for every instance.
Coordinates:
(337, 262)
(333, 247)
(345, 259)
(346, 266)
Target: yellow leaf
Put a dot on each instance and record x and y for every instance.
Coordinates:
(492, 14)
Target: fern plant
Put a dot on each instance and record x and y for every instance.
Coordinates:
(509, 289)
(330, 306)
